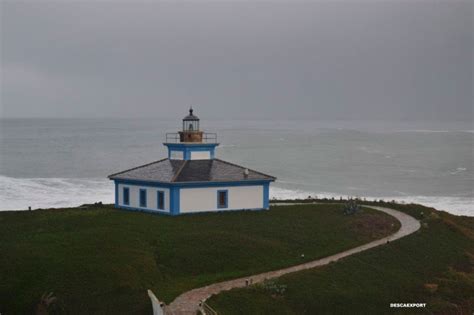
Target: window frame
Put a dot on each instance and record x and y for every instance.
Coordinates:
(142, 202)
(226, 194)
(160, 196)
(126, 193)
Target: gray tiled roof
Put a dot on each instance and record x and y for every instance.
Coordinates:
(213, 170)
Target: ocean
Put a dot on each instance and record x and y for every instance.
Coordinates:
(65, 162)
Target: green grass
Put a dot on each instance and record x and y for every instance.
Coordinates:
(440, 253)
(102, 260)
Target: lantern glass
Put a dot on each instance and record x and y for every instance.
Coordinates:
(191, 125)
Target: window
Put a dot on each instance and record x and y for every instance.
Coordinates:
(126, 196)
(160, 198)
(143, 198)
(222, 199)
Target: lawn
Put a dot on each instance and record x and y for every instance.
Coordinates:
(99, 260)
(434, 266)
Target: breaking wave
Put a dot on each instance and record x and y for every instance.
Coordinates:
(454, 205)
(20, 193)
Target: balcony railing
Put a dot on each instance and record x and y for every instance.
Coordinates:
(173, 137)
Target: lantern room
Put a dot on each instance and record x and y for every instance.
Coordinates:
(190, 132)
(191, 143)
(191, 122)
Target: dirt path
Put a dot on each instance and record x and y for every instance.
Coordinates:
(188, 302)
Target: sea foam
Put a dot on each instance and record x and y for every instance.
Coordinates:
(21, 193)
(454, 205)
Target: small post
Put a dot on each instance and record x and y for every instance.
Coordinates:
(29, 208)
(157, 305)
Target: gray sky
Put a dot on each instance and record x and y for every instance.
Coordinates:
(242, 59)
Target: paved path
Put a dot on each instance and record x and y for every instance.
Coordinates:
(188, 302)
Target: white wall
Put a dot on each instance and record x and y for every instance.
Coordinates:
(200, 155)
(151, 195)
(176, 155)
(205, 199)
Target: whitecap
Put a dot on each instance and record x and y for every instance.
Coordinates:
(458, 170)
(462, 205)
(21, 193)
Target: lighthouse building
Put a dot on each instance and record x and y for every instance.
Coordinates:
(191, 179)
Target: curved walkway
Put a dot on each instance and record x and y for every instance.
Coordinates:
(188, 302)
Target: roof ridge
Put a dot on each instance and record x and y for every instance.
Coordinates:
(137, 167)
(245, 167)
(179, 171)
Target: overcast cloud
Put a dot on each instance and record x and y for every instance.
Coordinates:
(243, 60)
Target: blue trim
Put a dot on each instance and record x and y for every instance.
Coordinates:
(217, 184)
(174, 200)
(144, 210)
(160, 199)
(187, 148)
(126, 193)
(142, 201)
(191, 144)
(220, 211)
(226, 194)
(266, 195)
(159, 212)
(192, 184)
(116, 194)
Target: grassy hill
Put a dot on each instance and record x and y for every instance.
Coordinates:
(433, 266)
(99, 260)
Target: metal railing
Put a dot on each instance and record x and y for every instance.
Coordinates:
(173, 137)
(206, 309)
(209, 137)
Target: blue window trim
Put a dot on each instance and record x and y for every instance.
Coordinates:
(142, 202)
(160, 196)
(219, 206)
(126, 193)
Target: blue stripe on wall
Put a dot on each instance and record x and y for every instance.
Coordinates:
(116, 194)
(174, 200)
(266, 195)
